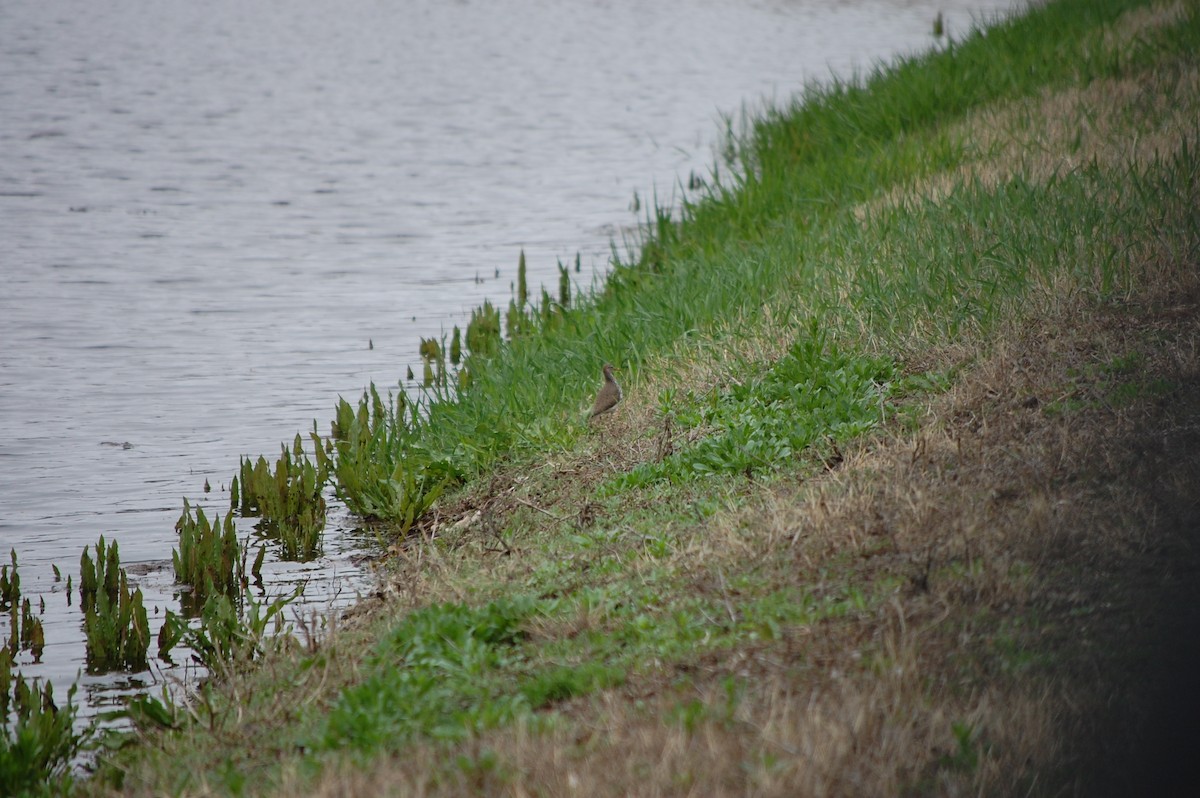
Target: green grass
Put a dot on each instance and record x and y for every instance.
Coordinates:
(810, 396)
(430, 676)
(768, 232)
(765, 232)
(451, 670)
(38, 741)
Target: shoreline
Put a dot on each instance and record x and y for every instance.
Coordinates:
(1001, 345)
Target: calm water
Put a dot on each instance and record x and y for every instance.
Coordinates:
(216, 218)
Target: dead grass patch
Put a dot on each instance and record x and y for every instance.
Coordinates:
(1064, 129)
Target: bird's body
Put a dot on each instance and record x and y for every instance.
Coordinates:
(610, 394)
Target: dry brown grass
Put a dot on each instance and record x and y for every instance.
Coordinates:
(1024, 530)
(1064, 129)
(1026, 547)
(1037, 537)
(1040, 522)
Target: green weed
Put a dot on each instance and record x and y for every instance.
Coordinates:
(289, 499)
(811, 395)
(227, 631)
(38, 740)
(115, 623)
(559, 683)
(431, 676)
(209, 557)
(382, 470)
(25, 629)
(965, 756)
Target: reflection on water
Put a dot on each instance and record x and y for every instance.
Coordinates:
(218, 217)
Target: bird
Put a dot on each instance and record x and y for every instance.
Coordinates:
(610, 394)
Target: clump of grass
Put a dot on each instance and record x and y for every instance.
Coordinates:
(433, 359)
(209, 557)
(25, 629)
(288, 500)
(381, 470)
(38, 740)
(227, 630)
(433, 675)
(483, 331)
(813, 394)
(118, 633)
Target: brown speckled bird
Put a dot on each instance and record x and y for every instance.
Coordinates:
(610, 394)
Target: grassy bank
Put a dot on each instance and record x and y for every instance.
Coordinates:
(907, 449)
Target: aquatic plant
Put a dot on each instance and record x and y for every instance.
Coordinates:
(209, 557)
(522, 282)
(33, 636)
(483, 331)
(380, 471)
(430, 350)
(38, 740)
(516, 322)
(456, 346)
(564, 283)
(25, 629)
(114, 617)
(10, 584)
(433, 358)
(227, 629)
(288, 499)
